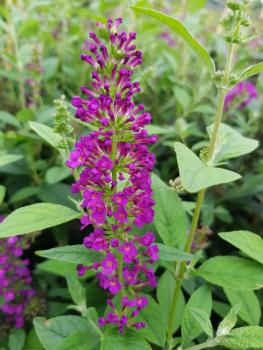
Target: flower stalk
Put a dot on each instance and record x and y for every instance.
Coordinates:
(222, 90)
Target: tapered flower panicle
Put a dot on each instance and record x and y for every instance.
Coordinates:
(15, 281)
(115, 166)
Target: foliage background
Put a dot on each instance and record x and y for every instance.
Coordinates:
(40, 44)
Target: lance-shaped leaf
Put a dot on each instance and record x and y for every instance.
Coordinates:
(9, 158)
(168, 253)
(180, 29)
(253, 70)
(228, 322)
(72, 254)
(232, 272)
(231, 144)
(202, 318)
(170, 219)
(248, 242)
(244, 338)
(36, 217)
(196, 175)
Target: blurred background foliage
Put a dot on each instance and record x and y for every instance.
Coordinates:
(40, 45)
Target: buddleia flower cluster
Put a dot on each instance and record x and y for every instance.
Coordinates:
(15, 282)
(241, 95)
(114, 163)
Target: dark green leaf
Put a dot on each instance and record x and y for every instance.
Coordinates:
(72, 253)
(16, 339)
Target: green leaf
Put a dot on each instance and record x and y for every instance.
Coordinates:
(36, 217)
(60, 268)
(196, 175)
(56, 174)
(8, 118)
(9, 158)
(250, 310)
(244, 338)
(165, 291)
(170, 218)
(32, 342)
(228, 322)
(202, 318)
(72, 253)
(53, 332)
(46, 133)
(253, 70)
(16, 339)
(232, 272)
(179, 28)
(195, 5)
(77, 291)
(24, 193)
(200, 299)
(248, 242)
(2, 193)
(168, 253)
(155, 329)
(230, 144)
(78, 341)
(130, 340)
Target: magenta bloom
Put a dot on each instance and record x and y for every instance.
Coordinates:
(241, 95)
(115, 164)
(15, 281)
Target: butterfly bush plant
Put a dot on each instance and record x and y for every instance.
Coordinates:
(142, 243)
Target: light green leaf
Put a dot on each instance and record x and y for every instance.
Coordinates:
(56, 174)
(8, 118)
(200, 299)
(24, 193)
(180, 29)
(46, 133)
(36, 217)
(228, 322)
(230, 144)
(244, 338)
(195, 5)
(130, 340)
(168, 253)
(59, 268)
(9, 158)
(165, 291)
(160, 130)
(202, 318)
(253, 70)
(170, 218)
(2, 193)
(77, 291)
(72, 253)
(232, 272)
(53, 332)
(250, 310)
(16, 339)
(248, 242)
(196, 175)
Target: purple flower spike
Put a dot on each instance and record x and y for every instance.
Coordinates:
(115, 164)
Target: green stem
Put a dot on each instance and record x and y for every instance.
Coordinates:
(19, 64)
(200, 198)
